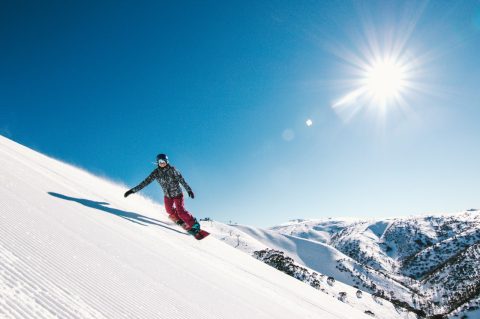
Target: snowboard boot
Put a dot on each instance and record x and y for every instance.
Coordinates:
(194, 229)
(174, 218)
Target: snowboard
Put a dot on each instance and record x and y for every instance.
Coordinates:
(199, 235)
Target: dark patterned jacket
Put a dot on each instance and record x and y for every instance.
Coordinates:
(169, 179)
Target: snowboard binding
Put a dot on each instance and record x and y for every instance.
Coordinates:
(195, 230)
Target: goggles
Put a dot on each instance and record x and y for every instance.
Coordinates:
(161, 162)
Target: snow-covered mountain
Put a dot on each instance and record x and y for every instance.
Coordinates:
(435, 257)
(71, 246)
(350, 276)
(426, 264)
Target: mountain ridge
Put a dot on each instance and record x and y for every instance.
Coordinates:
(412, 250)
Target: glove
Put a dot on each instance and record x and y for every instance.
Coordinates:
(129, 192)
(191, 194)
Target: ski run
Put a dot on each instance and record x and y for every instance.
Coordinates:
(71, 246)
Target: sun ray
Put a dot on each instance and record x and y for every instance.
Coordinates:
(381, 77)
(385, 71)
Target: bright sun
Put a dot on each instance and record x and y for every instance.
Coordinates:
(380, 83)
(382, 76)
(384, 80)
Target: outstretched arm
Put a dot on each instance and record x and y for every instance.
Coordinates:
(145, 182)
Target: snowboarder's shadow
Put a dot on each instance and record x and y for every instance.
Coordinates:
(130, 216)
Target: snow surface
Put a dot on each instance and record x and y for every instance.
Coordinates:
(432, 260)
(315, 256)
(72, 247)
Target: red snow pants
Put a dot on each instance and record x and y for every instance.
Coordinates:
(175, 206)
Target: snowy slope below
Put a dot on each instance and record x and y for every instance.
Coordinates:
(72, 247)
(318, 257)
(435, 257)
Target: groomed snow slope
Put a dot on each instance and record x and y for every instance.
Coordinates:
(72, 247)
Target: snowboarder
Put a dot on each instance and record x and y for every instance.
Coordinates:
(170, 179)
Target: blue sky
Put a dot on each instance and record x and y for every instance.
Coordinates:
(225, 89)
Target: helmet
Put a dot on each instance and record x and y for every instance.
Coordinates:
(162, 157)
